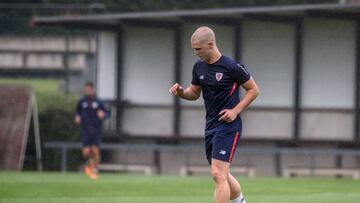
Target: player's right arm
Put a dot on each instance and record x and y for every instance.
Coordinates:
(190, 93)
(78, 113)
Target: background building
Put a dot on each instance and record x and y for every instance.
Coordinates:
(304, 59)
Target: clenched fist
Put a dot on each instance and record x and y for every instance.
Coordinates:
(227, 115)
(101, 114)
(176, 89)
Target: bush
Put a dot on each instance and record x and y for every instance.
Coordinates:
(56, 119)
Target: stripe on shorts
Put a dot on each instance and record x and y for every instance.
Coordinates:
(233, 146)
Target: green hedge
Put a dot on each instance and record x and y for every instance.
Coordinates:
(57, 124)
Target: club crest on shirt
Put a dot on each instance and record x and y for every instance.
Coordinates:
(94, 105)
(218, 76)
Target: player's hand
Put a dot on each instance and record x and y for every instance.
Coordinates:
(77, 119)
(227, 115)
(101, 114)
(176, 89)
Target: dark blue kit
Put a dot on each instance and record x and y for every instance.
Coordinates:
(220, 84)
(91, 124)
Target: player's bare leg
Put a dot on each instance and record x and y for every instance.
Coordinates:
(235, 188)
(95, 156)
(91, 169)
(86, 152)
(220, 172)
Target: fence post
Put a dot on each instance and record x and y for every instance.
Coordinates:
(278, 162)
(63, 158)
(312, 164)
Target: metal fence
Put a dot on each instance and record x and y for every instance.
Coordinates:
(276, 153)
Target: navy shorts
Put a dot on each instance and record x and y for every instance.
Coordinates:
(221, 145)
(90, 137)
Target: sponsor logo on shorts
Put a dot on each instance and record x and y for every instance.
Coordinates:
(222, 152)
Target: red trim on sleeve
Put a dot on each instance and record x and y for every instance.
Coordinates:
(233, 88)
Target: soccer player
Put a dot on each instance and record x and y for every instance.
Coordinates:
(90, 112)
(219, 78)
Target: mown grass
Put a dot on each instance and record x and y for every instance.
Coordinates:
(75, 187)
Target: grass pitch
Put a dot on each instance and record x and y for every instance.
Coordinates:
(74, 187)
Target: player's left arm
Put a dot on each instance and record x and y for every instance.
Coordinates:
(252, 91)
(101, 112)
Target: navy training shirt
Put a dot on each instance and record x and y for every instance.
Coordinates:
(220, 84)
(87, 108)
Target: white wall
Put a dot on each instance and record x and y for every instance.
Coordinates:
(44, 52)
(328, 79)
(328, 73)
(148, 65)
(327, 126)
(267, 124)
(148, 75)
(145, 121)
(107, 65)
(193, 122)
(47, 43)
(268, 53)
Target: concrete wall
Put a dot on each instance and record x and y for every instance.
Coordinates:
(148, 73)
(80, 43)
(144, 121)
(107, 65)
(328, 79)
(148, 65)
(270, 124)
(327, 126)
(45, 52)
(268, 52)
(193, 122)
(329, 51)
(264, 164)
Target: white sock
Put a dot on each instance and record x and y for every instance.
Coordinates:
(239, 199)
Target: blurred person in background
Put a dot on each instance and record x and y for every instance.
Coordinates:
(90, 112)
(219, 77)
